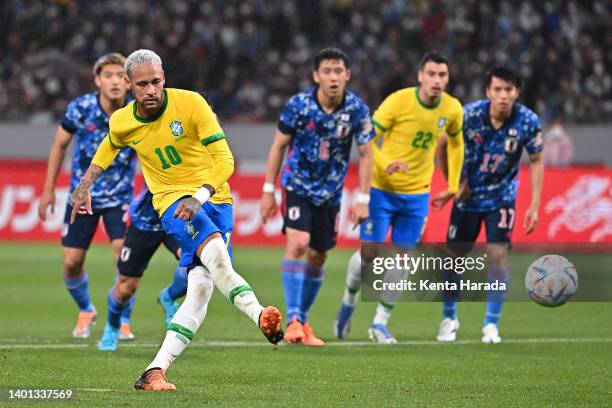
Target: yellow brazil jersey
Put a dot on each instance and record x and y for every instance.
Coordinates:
(410, 131)
(179, 148)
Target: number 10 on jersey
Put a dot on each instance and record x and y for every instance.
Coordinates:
(171, 154)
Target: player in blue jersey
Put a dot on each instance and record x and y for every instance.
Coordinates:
(86, 120)
(318, 126)
(144, 235)
(496, 130)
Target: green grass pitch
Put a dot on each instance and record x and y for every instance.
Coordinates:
(549, 357)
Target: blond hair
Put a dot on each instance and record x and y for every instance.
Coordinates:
(140, 57)
(113, 58)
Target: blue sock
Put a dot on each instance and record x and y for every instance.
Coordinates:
(79, 289)
(126, 313)
(293, 279)
(450, 297)
(115, 309)
(449, 309)
(313, 278)
(496, 298)
(178, 286)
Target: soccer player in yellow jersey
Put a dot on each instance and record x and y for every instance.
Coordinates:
(410, 122)
(186, 163)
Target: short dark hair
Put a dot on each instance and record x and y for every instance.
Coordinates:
(505, 73)
(329, 54)
(113, 58)
(433, 56)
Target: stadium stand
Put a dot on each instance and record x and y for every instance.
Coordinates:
(250, 55)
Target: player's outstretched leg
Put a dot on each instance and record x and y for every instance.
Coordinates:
(216, 259)
(168, 296)
(342, 325)
(78, 286)
(186, 321)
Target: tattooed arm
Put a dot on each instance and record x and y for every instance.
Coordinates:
(188, 207)
(81, 199)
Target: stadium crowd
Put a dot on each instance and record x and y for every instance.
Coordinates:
(249, 56)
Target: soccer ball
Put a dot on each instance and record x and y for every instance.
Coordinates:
(551, 280)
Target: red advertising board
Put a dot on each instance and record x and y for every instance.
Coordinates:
(576, 207)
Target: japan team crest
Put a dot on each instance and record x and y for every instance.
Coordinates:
(176, 127)
(511, 142)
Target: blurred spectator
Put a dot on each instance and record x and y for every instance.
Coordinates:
(250, 55)
(558, 146)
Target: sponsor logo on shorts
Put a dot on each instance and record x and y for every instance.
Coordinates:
(125, 253)
(293, 213)
(452, 232)
(65, 227)
(368, 227)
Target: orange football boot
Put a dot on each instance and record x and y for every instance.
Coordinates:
(154, 379)
(125, 332)
(270, 324)
(84, 323)
(309, 337)
(295, 331)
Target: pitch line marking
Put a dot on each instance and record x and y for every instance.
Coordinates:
(219, 344)
(94, 389)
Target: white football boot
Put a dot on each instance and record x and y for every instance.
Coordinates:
(490, 334)
(448, 330)
(380, 334)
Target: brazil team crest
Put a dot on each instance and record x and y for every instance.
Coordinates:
(441, 122)
(176, 127)
(190, 230)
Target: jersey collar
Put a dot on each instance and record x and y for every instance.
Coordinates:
(339, 107)
(487, 115)
(126, 100)
(154, 117)
(423, 104)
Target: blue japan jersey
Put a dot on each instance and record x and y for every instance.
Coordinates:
(320, 147)
(88, 122)
(142, 214)
(492, 156)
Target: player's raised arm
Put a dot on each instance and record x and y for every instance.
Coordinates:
(104, 157)
(56, 157)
